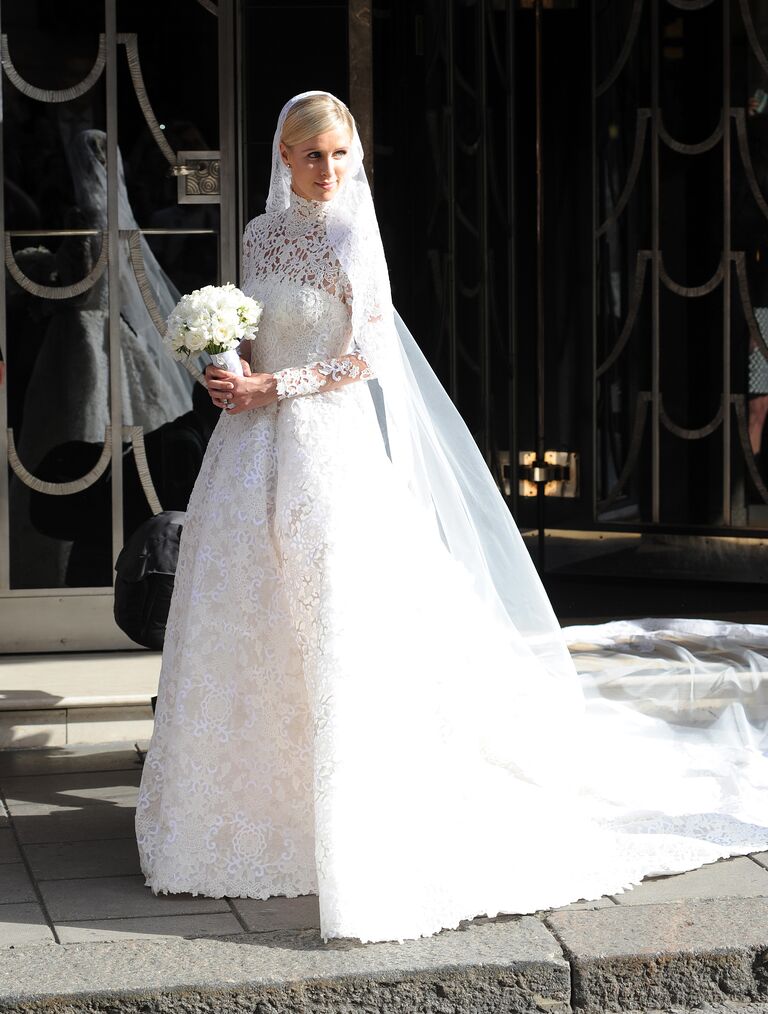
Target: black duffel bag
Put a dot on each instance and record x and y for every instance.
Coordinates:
(146, 568)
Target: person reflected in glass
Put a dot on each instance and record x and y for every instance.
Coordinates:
(67, 409)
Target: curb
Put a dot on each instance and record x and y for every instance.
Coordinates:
(680, 954)
(624, 958)
(511, 965)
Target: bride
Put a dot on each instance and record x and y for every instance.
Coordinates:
(365, 694)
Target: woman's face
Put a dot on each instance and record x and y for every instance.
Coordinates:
(318, 165)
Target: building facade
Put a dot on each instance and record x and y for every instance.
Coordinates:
(573, 198)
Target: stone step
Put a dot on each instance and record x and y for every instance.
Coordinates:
(648, 958)
(513, 965)
(680, 955)
(78, 698)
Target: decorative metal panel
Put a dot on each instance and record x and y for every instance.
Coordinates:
(96, 252)
(469, 176)
(681, 179)
(198, 177)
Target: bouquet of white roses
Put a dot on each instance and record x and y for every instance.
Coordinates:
(214, 319)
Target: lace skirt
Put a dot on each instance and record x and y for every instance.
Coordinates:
(338, 715)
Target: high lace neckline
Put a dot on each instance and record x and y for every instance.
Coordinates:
(306, 209)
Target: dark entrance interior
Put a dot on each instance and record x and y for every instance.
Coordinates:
(626, 330)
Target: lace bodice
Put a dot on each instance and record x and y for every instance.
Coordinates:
(305, 334)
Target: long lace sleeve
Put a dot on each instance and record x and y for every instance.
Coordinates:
(322, 376)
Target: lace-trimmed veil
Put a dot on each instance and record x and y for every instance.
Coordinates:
(428, 441)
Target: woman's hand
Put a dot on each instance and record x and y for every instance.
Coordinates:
(253, 390)
(220, 382)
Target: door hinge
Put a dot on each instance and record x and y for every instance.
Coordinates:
(556, 475)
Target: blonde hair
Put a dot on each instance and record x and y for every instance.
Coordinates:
(314, 115)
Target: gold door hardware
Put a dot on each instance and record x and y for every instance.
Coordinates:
(557, 474)
(198, 177)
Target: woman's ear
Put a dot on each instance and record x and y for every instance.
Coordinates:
(284, 154)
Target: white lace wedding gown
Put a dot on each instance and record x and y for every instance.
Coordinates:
(336, 713)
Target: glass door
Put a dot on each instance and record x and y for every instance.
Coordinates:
(581, 249)
(674, 484)
(119, 195)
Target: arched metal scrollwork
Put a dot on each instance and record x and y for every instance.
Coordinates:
(643, 213)
(202, 185)
(134, 434)
(690, 5)
(60, 488)
(54, 94)
(690, 149)
(746, 160)
(57, 291)
(638, 429)
(641, 268)
(691, 434)
(626, 49)
(638, 150)
(746, 448)
(692, 291)
(137, 264)
(130, 41)
(755, 334)
(749, 28)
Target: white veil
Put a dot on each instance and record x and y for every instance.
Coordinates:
(428, 442)
(170, 380)
(632, 743)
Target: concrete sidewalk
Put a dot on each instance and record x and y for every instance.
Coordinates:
(80, 932)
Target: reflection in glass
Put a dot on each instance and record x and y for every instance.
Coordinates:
(66, 405)
(57, 350)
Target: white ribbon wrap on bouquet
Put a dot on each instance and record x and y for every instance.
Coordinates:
(229, 360)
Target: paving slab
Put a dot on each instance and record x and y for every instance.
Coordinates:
(91, 757)
(83, 824)
(729, 878)
(504, 966)
(15, 885)
(108, 897)
(67, 860)
(9, 850)
(279, 913)
(684, 953)
(760, 857)
(44, 793)
(141, 927)
(75, 804)
(21, 925)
